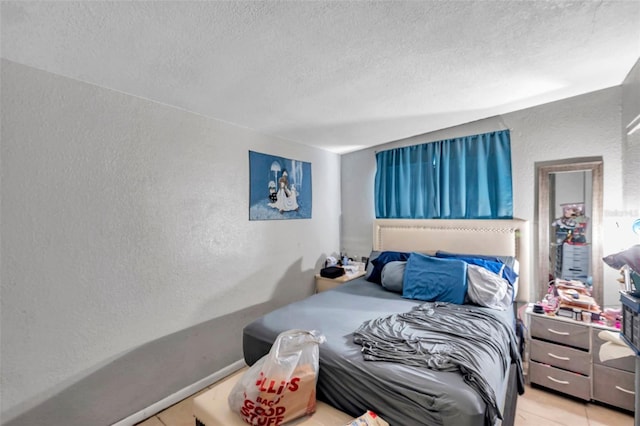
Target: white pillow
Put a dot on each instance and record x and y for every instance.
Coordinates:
(488, 289)
(516, 269)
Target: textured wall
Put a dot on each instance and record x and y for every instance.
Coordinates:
(631, 146)
(583, 126)
(126, 221)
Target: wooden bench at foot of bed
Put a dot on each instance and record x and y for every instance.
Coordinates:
(212, 409)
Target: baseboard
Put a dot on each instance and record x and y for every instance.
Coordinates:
(180, 395)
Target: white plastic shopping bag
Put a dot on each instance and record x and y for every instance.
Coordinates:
(281, 386)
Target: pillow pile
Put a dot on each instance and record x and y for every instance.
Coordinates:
(447, 277)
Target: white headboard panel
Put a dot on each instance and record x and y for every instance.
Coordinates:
(500, 237)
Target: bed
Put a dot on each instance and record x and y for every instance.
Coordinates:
(400, 393)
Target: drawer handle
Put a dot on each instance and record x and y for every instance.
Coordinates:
(625, 390)
(562, 333)
(563, 358)
(562, 382)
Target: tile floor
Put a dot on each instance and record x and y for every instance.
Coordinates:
(536, 407)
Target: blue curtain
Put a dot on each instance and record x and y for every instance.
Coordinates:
(462, 178)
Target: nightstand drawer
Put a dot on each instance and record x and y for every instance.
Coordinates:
(561, 356)
(560, 380)
(627, 363)
(564, 332)
(615, 387)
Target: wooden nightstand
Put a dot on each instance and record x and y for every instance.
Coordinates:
(324, 284)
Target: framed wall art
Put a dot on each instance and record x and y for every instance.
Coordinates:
(280, 188)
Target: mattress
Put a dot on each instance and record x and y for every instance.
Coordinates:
(402, 395)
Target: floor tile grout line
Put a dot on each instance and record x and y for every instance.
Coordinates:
(587, 415)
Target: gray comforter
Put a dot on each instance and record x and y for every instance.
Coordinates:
(446, 337)
(404, 395)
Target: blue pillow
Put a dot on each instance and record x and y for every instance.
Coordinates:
(369, 269)
(384, 258)
(435, 279)
(491, 263)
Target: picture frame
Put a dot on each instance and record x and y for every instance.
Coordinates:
(280, 188)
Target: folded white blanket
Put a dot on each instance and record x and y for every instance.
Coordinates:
(614, 347)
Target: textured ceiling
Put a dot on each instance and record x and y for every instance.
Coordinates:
(337, 75)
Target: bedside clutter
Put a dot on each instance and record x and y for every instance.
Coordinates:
(337, 273)
(569, 299)
(584, 359)
(324, 284)
(332, 272)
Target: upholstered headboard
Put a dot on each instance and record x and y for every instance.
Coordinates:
(500, 237)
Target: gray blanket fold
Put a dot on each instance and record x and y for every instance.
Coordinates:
(447, 337)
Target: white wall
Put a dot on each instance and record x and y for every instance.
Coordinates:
(124, 221)
(583, 126)
(631, 145)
